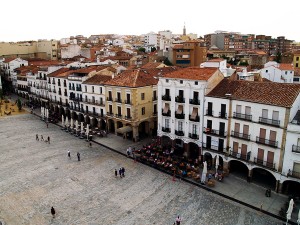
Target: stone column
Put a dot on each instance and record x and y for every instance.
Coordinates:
(278, 187)
(249, 178)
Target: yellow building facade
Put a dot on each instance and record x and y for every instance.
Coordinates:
(296, 60)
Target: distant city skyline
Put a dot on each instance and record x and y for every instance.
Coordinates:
(31, 20)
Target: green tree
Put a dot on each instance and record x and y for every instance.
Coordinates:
(278, 57)
(167, 62)
(19, 104)
(141, 49)
(153, 49)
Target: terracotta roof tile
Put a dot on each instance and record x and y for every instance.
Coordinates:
(7, 60)
(286, 66)
(151, 65)
(192, 73)
(62, 72)
(269, 93)
(98, 79)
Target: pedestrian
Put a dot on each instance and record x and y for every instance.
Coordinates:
(42, 138)
(48, 140)
(178, 220)
(123, 171)
(116, 173)
(53, 211)
(90, 144)
(120, 172)
(69, 154)
(78, 156)
(47, 124)
(128, 153)
(37, 137)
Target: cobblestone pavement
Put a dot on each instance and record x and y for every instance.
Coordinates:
(35, 175)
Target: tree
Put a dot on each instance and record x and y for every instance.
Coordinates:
(141, 49)
(153, 49)
(278, 57)
(167, 62)
(19, 104)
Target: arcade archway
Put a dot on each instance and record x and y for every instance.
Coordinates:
(238, 168)
(264, 178)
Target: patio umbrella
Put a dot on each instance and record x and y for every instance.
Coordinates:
(204, 172)
(47, 113)
(72, 123)
(76, 124)
(298, 221)
(217, 163)
(42, 112)
(62, 120)
(67, 121)
(289, 211)
(87, 131)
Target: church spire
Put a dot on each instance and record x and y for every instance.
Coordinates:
(184, 30)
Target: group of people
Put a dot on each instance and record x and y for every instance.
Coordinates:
(42, 138)
(78, 155)
(121, 172)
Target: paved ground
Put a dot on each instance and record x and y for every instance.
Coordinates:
(35, 175)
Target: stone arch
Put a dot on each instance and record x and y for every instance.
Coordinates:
(209, 159)
(111, 126)
(94, 122)
(178, 147)
(291, 188)
(87, 120)
(263, 177)
(80, 117)
(166, 141)
(74, 115)
(102, 124)
(239, 168)
(193, 151)
(119, 124)
(67, 112)
(221, 161)
(144, 129)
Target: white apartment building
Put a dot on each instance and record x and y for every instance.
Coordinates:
(278, 72)
(150, 39)
(181, 107)
(246, 122)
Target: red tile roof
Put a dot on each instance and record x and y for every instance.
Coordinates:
(269, 93)
(192, 73)
(151, 65)
(7, 60)
(62, 72)
(216, 60)
(286, 66)
(97, 79)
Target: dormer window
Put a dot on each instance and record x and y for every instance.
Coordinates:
(167, 80)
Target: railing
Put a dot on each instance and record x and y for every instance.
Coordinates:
(166, 129)
(154, 114)
(59, 92)
(167, 113)
(264, 163)
(240, 135)
(109, 114)
(179, 132)
(196, 119)
(78, 89)
(118, 116)
(267, 142)
(66, 94)
(54, 91)
(209, 112)
(221, 133)
(179, 99)
(128, 118)
(109, 99)
(294, 174)
(214, 148)
(242, 116)
(239, 156)
(166, 97)
(296, 148)
(193, 136)
(128, 102)
(194, 101)
(118, 100)
(179, 116)
(269, 121)
(223, 115)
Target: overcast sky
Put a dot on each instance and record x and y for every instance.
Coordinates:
(56, 19)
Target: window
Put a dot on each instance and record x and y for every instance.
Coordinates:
(93, 89)
(167, 123)
(266, 71)
(285, 72)
(194, 129)
(296, 79)
(196, 82)
(143, 96)
(85, 87)
(181, 81)
(297, 65)
(297, 58)
(179, 125)
(167, 80)
(143, 111)
(100, 90)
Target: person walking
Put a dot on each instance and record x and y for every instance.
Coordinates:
(78, 156)
(123, 171)
(69, 154)
(48, 140)
(37, 137)
(47, 124)
(178, 220)
(120, 172)
(42, 138)
(53, 211)
(116, 173)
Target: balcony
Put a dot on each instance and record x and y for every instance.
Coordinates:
(128, 102)
(239, 156)
(194, 101)
(154, 98)
(269, 121)
(209, 112)
(196, 119)
(179, 133)
(78, 89)
(296, 148)
(166, 98)
(59, 92)
(166, 129)
(167, 113)
(179, 116)
(65, 85)
(242, 116)
(240, 135)
(128, 118)
(54, 91)
(179, 99)
(214, 148)
(267, 142)
(193, 136)
(109, 114)
(109, 99)
(223, 115)
(118, 100)
(294, 174)
(266, 164)
(220, 133)
(65, 94)
(118, 116)
(154, 114)
(58, 84)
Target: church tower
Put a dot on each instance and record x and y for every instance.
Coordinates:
(184, 30)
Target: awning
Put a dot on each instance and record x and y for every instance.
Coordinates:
(166, 109)
(194, 113)
(124, 130)
(180, 109)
